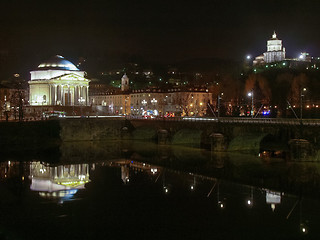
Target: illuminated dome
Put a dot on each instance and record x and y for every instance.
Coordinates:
(58, 63)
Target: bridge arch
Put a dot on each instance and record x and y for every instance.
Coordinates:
(250, 143)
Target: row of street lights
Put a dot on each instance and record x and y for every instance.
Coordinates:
(250, 94)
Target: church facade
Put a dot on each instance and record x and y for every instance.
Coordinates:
(58, 82)
(275, 52)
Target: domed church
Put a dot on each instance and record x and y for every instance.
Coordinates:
(58, 82)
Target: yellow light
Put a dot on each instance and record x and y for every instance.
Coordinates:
(201, 104)
(73, 184)
(191, 105)
(308, 106)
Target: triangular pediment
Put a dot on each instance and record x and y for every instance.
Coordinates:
(70, 77)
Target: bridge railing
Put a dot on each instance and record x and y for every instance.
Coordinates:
(278, 121)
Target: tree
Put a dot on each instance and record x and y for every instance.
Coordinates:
(183, 100)
(299, 82)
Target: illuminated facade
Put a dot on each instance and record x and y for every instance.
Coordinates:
(275, 52)
(156, 102)
(58, 82)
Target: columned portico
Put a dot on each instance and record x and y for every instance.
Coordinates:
(58, 82)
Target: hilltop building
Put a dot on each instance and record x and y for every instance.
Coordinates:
(275, 52)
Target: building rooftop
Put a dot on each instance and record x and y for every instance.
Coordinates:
(57, 62)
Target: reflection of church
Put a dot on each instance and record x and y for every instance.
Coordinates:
(51, 181)
(58, 82)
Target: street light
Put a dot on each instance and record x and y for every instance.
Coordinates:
(144, 103)
(250, 94)
(301, 96)
(154, 102)
(219, 101)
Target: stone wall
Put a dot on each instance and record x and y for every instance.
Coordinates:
(215, 135)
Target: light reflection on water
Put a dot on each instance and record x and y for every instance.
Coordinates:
(159, 190)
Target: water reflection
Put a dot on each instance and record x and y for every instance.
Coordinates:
(58, 182)
(273, 198)
(177, 188)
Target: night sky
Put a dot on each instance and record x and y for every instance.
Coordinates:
(163, 31)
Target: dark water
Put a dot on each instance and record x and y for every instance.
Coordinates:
(136, 190)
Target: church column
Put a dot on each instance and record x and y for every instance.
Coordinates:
(55, 95)
(69, 96)
(80, 94)
(87, 96)
(75, 95)
(49, 100)
(61, 95)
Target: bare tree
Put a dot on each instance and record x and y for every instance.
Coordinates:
(298, 83)
(184, 101)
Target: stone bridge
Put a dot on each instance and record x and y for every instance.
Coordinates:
(218, 135)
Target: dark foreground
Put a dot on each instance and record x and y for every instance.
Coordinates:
(144, 191)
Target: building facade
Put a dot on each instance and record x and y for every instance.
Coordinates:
(275, 52)
(154, 102)
(58, 82)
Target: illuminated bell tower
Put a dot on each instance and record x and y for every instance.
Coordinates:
(125, 83)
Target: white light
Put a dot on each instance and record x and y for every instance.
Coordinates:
(248, 57)
(82, 177)
(249, 94)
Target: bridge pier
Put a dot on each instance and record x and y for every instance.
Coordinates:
(163, 136)
(218, 143)
(300, 150)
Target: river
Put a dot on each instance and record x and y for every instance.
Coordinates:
(141, 190)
